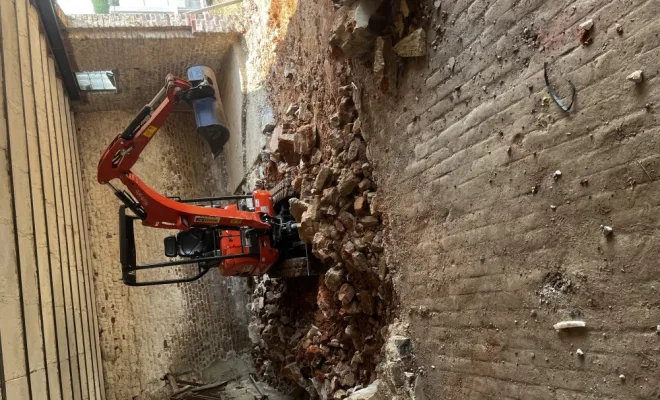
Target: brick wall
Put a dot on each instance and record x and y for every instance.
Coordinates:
(148, 331)
(484, 264)
(191, 22)
(48, 330)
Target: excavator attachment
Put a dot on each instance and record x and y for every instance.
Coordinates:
(205, 100)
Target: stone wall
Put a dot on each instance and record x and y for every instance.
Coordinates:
(148, 331)
(48, 330)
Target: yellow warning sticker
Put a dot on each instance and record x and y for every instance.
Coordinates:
(235, 221)
(207, 220)
(149, 132)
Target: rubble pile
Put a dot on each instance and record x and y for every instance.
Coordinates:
(329, 334)
(387, 31)
(325, 333)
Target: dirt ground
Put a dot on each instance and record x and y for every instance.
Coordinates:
(499, 203)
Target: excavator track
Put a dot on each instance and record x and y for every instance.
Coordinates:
(282, 191)
(296, 267)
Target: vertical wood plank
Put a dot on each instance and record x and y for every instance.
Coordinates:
(40, 195)
(68, 268)
(12, 324)
(79, 282)
(29, 274)
(100, 380)
(66, 337)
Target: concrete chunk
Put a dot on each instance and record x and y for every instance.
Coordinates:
(637, 76)
(298, 207)
(413, 45)
(322, 178)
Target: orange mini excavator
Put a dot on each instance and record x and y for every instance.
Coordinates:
(243, 235)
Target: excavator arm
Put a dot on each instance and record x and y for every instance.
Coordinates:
(154, 209)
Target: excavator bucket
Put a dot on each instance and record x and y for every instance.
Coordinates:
(207, 105)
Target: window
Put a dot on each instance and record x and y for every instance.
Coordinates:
(96, 81)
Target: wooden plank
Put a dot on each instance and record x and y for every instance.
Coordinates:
(88, 386)
(39, 197)
(100, 387)
(12, 326)
(67, 344)
(50, 170)
(90, 300)
(69, 269)
(29, 157)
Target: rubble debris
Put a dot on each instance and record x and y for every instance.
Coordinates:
(369, 221)
(413, 45)
(622, 378)
(346, 294)
(554, 94)
(291, 110)
(607, 230)
(619, 29)
(286, 148)
(359, 205)
(303, 113)
(330, 196)
(334, 278)
(384, 64)
(351, 35)
(289, 71)
(587, 25)
(321, 179)
(316, 157)
(347, 183)
(305, 140)
(359, 261)
(399, 347)
(268, 128)
(579, 353)
(556, 175)
(451, 63)
(584, 31)
(355, 149)
(569, 325)
(325, 334)
(308, 225)
(368, 393)
(297, 208)
(637, 76)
